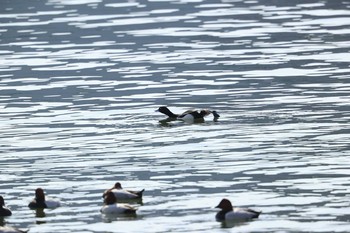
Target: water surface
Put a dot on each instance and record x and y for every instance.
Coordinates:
(80, 82)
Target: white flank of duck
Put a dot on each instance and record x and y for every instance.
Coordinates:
(118, 208)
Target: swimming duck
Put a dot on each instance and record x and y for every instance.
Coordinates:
(4, 211)
(111, 206)
(189, 115)
(121, 193)
(229, 213)
(4, 229)
(41, 202)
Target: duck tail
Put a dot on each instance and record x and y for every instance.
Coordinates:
(215, 114)
(256, 213)
(140, 193)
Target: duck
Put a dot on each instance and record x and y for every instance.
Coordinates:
(40, 201)
(189, 115)
(4, 211)
(228, 212)
(5, 229)
(121, 193)
(112, 207)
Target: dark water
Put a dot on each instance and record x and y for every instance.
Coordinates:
(80, 80)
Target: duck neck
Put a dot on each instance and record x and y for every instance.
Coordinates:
(170, 114)
(40, 199)
(220, 216)
(110, 199)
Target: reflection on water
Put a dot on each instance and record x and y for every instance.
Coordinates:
(111, 218)
(232, 224)
(80, 80)
(39, 214)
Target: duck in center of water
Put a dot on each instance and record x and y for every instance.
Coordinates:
(189, 116)
(228, 212)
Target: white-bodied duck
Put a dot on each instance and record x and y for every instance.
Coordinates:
(40, 201)
(124, 194)
(228, 212)
(112, 207)
(190, 115)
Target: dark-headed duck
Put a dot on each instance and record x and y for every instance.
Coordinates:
(111, 207)
(228, 212)
(124, 194)
(189, 115)
(4, 211)
(40, 201)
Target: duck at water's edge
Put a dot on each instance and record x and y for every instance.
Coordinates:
(40, 201)
(228, 212)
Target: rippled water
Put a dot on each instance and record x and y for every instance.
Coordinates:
(80, 80)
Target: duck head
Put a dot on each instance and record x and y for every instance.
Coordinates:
(225, 205)
(166, 111)
(39, 194)
(117, 185)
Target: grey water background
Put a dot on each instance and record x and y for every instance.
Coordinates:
(80, 81)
